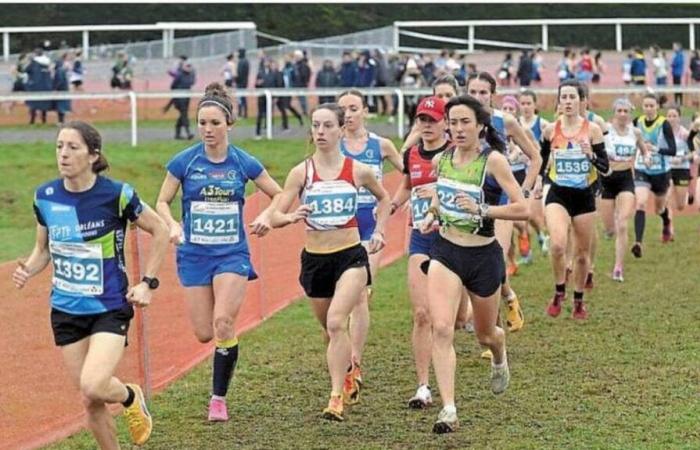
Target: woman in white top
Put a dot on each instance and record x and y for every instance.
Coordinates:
(617, 198)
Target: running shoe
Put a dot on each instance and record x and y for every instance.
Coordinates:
(469, 326)
(545, 244)
(512, 269)
(138, 419)
(617, 275)
(500, 377)
(524, 244)
(667, 233)
(447, 422)
(486, 354)
(554, 308)
(589, 281)
(422, 399)
(637, 250)
(580, 312)
(334, 411)
(217, 410)
(351, 386)
(525, 260)
(514, 318)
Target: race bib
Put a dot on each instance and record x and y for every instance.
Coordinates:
(623, 152)
(419, 206)
(657, 163)
(77, 267)
(213, 223)
(572, 167)
(364, 196)
(447, 191)
(333, 203)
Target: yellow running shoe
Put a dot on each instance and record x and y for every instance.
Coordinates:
(138, 419)
(486, 354)
(334, 411)
(515, 318)
(351, 386)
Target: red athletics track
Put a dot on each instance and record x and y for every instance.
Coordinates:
(38, 405)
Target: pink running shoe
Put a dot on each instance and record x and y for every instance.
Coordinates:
(580, 312)
(667, 233)
(217, 410)
(554, 308)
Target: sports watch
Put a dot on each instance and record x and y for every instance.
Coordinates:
(152, 283)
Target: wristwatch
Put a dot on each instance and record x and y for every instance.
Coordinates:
(483, 209)
(152, 283)
(526, 193)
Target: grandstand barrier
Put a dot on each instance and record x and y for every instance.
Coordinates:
(134, 97)
(39, 405)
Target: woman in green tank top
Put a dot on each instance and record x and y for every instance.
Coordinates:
(466, 254)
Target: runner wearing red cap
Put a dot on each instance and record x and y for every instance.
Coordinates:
(417, 185)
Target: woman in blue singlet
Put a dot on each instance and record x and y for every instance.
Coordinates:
(81, 225)
(213, 260)
(368, 148)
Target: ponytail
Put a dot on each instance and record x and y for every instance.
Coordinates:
(492, 138)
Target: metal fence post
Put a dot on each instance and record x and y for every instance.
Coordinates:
(268, 113)
(134, 119)
(400, 112)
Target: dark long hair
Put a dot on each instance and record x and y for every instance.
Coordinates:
(483, 117)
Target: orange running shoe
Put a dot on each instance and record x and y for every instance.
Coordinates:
(334, 411)
(524, 244)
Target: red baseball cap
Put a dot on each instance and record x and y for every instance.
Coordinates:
(432, 107)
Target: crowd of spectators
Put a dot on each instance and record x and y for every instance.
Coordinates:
(356, 69)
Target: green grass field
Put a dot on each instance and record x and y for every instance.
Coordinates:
(626, 378)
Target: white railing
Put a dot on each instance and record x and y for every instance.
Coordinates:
(471, 26)
(270, 94)
(167, 28)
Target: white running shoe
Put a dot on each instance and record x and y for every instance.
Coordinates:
(422, 399)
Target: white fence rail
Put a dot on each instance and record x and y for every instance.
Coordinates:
(544, 24)
(270, 94)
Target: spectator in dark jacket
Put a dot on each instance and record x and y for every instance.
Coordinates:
(367, 76)
(265, 78)
(39, 79)
(348, 72)
(695, 66)
(524, 74)
(302, 76)
(242, 74)
(284, 79)
(327, 77)
(381, 79)
(60, 83)
(184, 80)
